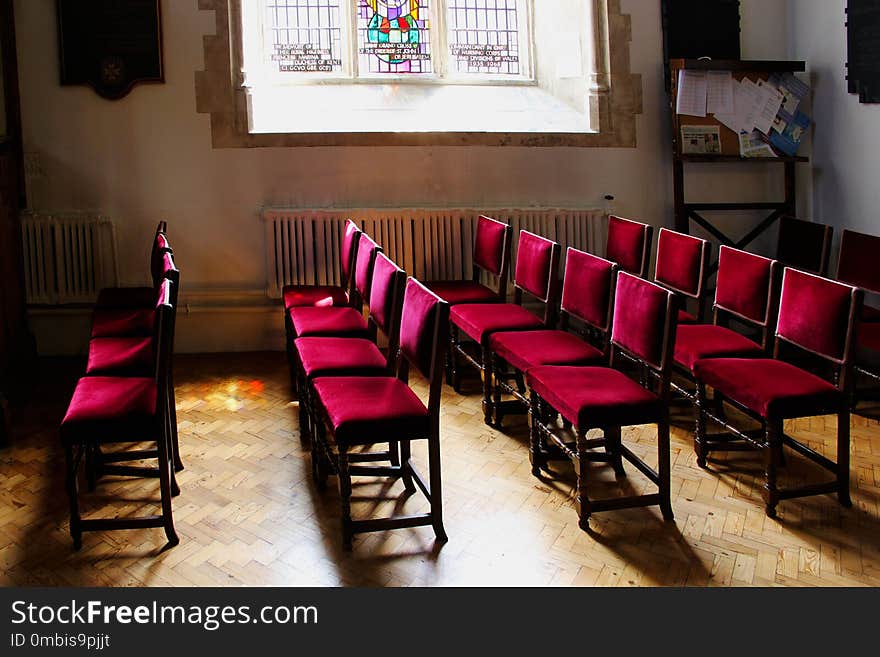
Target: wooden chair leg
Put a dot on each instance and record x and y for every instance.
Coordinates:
(536, 454)
(394, 452)
(772, 441)
(496, 368)
(436, 488)
(72, 466)
(319, 458)
(172, 410)
(165, 470)
(612, 447)
(843, 458)
(92, 456)
(584, 506)
(664, 469)
(406, 466)
(486, 367)
(453, 358)
(700, 447)
(344, 477)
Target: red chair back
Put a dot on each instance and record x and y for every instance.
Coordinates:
(160, 247)
(629, 245)
(163, 336)
(349, 249)
(424, 332)
(856, 264)
(644, 321)
(363, 267)
(491, 242)
(386, 294)
(682, 261)
(537, 260)
(587, 289)
(745, 285)
(804, 245)
(818, 315)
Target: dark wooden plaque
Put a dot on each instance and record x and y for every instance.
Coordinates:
(110, 45)
(700, 28)
(863, 49)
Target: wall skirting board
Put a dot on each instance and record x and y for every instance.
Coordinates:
(207, 321)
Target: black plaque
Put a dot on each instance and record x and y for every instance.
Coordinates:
(110, 45)
(863, 49)
(700, 28)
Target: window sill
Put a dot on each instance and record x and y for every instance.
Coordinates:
(406, 108)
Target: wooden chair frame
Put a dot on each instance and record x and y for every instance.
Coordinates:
(542, 419)
(770, 437)
(483, 361)
(328, 456)
(825, 249)
(76, 453)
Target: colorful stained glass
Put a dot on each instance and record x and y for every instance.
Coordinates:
(305, 36)
(394, 36)
(484, 36)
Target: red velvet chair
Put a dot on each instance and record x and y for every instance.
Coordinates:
(816, 316)
(745, 292)
(333, 356)
(112, 410)
(804, 245)
(139, 297)
(604, 398)
(133, 355)
(537, 262)
(682, 266)
(629, 245)
(856, 266)
(355, 411)
(588, 299)
(491, 248)
(328, 295)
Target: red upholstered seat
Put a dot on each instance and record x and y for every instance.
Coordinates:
(340, 322)
(480, 320)
(696, 341)
(108, 409)
(595, 396)
(769, 387)
(126, 297)
(132, 356)
(121, 322)
(684, 317)
(366, 410)
(455, 292)
(340, 356)
(869, 335)
(527, 349)
(870, 314)
(314, 295)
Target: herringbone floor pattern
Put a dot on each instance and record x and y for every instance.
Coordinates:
(249, 514)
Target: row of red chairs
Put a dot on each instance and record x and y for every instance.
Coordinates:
(620, 314)
(127, 396)
(352, 395)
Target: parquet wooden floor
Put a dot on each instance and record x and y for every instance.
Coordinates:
(249, 514)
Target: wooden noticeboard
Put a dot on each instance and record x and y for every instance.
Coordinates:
(110, 45)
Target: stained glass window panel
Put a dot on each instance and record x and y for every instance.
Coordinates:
(305, 36)
(484, 36)
(394, 36)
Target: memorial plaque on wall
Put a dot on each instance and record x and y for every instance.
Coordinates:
(863, 49)
(700, 28)
(110, 45)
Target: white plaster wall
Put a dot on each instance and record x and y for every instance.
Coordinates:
(149, 156)
(843, 189)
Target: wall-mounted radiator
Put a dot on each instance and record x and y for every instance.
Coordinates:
(302, 246)
(68, 258)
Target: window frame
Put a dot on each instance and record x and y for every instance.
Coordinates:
(614, 95)
(255, 65)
